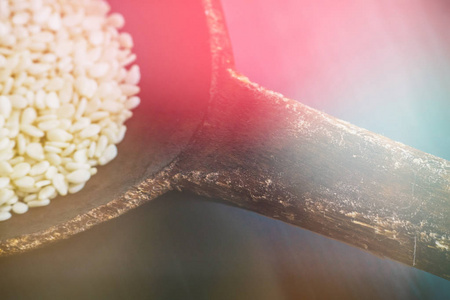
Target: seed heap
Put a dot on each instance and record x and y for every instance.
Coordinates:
(66, 88)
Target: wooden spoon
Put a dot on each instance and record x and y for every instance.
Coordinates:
(204, 128)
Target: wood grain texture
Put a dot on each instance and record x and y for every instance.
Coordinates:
(175, 93)
(275, 156)
(282, 159)
(222, 136)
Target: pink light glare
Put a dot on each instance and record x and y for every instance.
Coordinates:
(172, 49)
(373, 63)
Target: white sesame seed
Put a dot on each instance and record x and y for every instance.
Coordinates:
(46, 117)
(35, 151)
(38, 68)
(57, 144)
(90, 131)
(80, 124)
(39, 203)
(4, 143)
(5, 168)
(4, 182)
(134, 75)
(39, 168)
(129, 89)
(20, 170)
(66, 110)
(121, 134)
(65, 91)
(24, 182)
(48, 125)
(96, 37)
(21, 144)
(59, 135)
(56, 83)
(5, 107)
(75, 188)
(78, 176)
(28, 115)
(42, 14)
(12, 200)
(98, 115)
(116, 20)
(98, 70)
(30, 197)
(81, 108)
(5, 208)
(5, 216)
(85, 86)
(128, 60)
(52, 100)
(54, 22)
(21, 18)
(5, 195)
(54, 159)
(109, 154)
(60, 184)
(20, 208)
(51, 172)
(112, 106)
(46, 192)
(72, 166)
(52, 149)
(91, 150)
(93, 171)
(18, 101)
(32, 130)
(42, 183)
(132, 103)
(80, 156)
(69, 150)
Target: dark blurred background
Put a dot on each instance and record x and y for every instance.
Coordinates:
(382, 65)
(184, 247)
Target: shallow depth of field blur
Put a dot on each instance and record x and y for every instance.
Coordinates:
(381, 64)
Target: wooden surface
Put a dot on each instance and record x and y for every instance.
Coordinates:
(261, 152)
(185, 247)
(277, 157)
(284, 160)
(176, 73)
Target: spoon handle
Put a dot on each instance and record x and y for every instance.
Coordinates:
(279, 158)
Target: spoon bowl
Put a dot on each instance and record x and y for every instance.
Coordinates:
(175, 64)
(205, 128)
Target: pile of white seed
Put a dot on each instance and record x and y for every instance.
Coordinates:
(67, 85)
